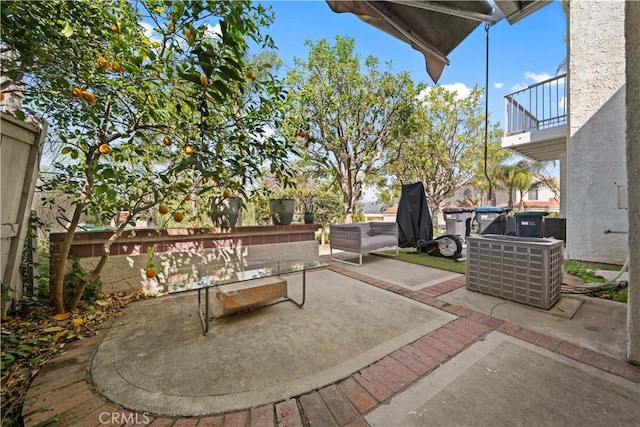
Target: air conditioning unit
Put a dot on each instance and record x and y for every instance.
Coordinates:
(527, 270)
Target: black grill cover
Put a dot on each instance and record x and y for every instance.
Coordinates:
(413, 218)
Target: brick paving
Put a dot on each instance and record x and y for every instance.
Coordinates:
(62, 393)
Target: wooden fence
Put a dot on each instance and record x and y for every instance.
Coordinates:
(20, 152)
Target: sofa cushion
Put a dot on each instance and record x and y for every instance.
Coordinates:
(373, 243)
(383, 228)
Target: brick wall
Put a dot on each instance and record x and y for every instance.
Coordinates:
(129, 251)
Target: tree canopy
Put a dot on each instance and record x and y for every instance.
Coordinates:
(148, 102)
(347, 115)
(442, 148)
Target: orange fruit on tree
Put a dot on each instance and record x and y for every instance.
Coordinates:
(167, 141)
(116, 67)
(178, 217)
(203, 80)
(188, 34)
(76, 92)
(103, 63)
(171, 27)
(188, 150)
(151, 273)
(163, 209)
(88, 96)
(251, 74)
(226, 193)
(104, 149)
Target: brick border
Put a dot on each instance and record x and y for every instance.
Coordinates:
(61, 388)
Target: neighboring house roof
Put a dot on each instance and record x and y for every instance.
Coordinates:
(537, 204)
(393, 210)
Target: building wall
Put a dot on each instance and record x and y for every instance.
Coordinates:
(632, 19)
(596, 149)
(563, 185)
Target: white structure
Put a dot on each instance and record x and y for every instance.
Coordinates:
(632, 31)
(585, 129)
(600, 151)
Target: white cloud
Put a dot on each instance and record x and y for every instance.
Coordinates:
(498, 85)
(537, 78)
(213, 31)
(518, 86)
(461, 90)
(561, 104)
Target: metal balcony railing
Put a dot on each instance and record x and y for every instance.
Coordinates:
(539, 106)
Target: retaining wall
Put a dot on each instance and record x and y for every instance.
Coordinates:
(184, 250)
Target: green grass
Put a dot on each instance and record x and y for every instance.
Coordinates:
(583, 271)
(410, 255)
(587, 272)
(620, 296)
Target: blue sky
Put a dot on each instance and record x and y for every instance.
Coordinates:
(519, 55)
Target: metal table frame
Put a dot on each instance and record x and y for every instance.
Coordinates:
(254, 270)
(204, 316)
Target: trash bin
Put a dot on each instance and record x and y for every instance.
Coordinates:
(458, 221)
(529, 224)
(491, 219)
(511, 229)
(555, 227)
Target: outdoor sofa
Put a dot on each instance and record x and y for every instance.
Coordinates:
(362, 238)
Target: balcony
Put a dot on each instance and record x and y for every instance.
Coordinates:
(536, 120)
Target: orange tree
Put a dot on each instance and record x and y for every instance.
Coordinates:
(148, 102)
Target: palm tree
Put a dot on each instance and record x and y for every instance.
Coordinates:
(523, 181)
(507, 180)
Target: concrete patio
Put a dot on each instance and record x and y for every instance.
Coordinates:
(385, 344)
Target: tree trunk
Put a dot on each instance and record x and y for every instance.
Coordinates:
(91, 275)
(347, 207)
(106, 251)
(56, 291)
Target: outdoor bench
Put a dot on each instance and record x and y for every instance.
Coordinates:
(362, 238)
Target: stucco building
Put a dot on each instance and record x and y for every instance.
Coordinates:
(583, 126)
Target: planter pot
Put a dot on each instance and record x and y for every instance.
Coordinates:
(281, 211)
(225, 213)
(309, 218)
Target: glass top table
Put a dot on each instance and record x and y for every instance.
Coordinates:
(204, 278)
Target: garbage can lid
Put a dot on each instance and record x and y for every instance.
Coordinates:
(457, 210)
(532, 213)
(491, 209)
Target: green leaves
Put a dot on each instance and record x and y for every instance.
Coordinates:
(157, 93)
(67, 31)
(354, 113)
